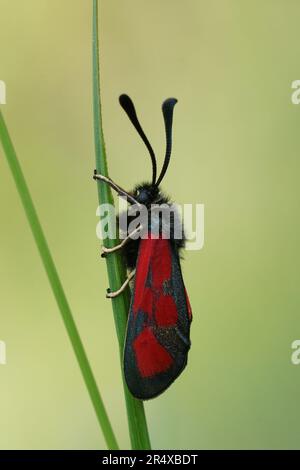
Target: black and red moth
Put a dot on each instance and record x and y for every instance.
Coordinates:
(158, 328)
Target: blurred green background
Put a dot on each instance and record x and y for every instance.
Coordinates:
(236, 149)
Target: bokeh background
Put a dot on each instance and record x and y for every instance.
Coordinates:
(236, 149)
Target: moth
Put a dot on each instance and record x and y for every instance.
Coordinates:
(158, 329)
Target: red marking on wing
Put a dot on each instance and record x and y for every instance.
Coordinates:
(166, 311)
(154, 252)
(161, 262)
(151, 357)
(146, 304)
(189, 308)
(145, 252)
(155, 256)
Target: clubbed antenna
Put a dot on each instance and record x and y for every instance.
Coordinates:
(167, 109)
(129, 109)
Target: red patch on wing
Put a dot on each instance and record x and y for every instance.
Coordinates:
(151, 357)
(154, 253)
(145, 253)
(166, 311)
(161, 262)
(146, 304)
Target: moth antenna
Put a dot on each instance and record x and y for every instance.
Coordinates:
(129, 109)
(167, 109)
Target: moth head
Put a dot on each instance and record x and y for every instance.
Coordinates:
(146, 193)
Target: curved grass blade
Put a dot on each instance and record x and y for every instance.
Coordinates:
(56, 285)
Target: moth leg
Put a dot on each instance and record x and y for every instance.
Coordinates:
(116, 187)
(105, 251)
(112, 295)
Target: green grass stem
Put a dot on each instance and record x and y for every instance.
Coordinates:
(56, 285)
(115, 267)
